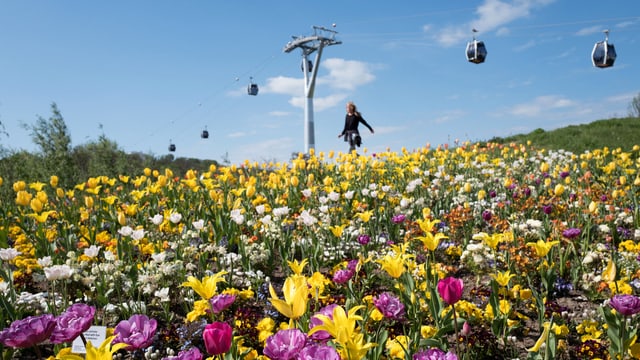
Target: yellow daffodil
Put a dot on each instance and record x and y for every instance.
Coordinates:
(296, 295)
(207, 287)
(542, 247)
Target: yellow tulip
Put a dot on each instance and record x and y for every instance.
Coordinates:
(558, 190)
(503, 277)
(53, 181)
(296, 296)
(207, 287)
(365, 215)
(19, 186)
(42, 217)
(393, 265)
(297, 267)
(36, 205)
(23, 198)
(337, 230)
(542, 247)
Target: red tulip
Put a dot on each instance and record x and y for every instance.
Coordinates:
(450, 289)
(217, 338)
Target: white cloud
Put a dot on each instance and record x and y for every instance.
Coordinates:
(346, 74)
(540, 105)
(491, 15)
(319, 103)
(237, 134)
(589, 30)
(381, 130)
(279, 113)
(284, 85)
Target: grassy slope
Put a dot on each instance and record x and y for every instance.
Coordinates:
(621, 133)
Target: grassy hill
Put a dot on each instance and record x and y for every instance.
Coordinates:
(621, 133)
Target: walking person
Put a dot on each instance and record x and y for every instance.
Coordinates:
(351, 121)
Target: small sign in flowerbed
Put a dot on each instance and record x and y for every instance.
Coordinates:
(481, 251)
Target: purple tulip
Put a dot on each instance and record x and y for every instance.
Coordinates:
(364, 239)
(137, 332)
(626, 305)
(450, 289)
(217, 338)
(398, 219)
(318, 352)
(353, 265)
(342, 276)
(28, 332)
(492, 193)
(285, 344)
(487, 215)
(321, 335)
(191, 354)
(389, 305)
(73, 322)
(547, 209)
(571, 233)
(434, 354)
(220, 302)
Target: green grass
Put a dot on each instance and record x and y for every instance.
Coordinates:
(621, 133)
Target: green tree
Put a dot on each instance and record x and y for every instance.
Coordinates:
(52, 138)
(634, 107)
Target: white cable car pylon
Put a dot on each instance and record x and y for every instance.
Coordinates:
(308, 44)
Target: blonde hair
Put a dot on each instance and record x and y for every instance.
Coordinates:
(352, 107)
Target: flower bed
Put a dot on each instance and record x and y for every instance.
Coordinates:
(482, 251)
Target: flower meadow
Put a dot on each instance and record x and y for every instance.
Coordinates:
(478, 251)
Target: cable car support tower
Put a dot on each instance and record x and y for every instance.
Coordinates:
(309, 44)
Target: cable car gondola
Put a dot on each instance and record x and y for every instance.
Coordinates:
(603, 54)
(252, 89)
(309, 66)
(205, 133)
(172, 146)
(476, 51)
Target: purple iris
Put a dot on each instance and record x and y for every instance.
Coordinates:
(285, 344)
(222, 301)
(389, 305)
(28, 332)
(73, 322)
(314, 321)
(137, 332)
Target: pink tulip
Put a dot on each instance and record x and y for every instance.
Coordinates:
(217, 338)
(450, 290)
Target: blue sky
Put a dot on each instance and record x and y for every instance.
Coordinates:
(145, 73)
